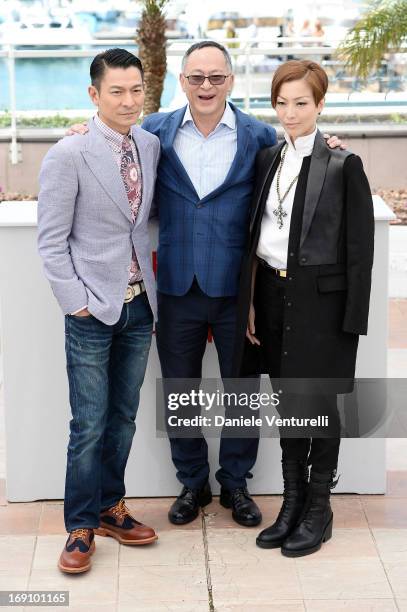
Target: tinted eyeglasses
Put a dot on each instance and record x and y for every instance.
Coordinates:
(214, 79)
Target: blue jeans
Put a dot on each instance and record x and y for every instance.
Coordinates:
(106, 366)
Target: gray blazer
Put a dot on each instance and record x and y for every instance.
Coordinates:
(85, 232)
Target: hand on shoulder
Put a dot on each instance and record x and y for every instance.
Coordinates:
(334, 142)
(77, 128)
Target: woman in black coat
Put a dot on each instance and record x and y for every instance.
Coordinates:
(304, 293)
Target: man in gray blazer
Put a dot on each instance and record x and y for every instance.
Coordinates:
(93, 208)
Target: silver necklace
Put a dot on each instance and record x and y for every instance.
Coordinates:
(279, 212)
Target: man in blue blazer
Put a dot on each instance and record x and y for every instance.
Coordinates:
(203, 190)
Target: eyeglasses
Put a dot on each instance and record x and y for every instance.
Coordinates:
(199, 79)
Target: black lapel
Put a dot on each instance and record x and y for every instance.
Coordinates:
(261, 193)
(316, 177)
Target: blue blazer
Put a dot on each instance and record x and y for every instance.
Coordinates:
(204, 237)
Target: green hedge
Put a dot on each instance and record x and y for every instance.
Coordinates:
(53, 121)
(61, 121)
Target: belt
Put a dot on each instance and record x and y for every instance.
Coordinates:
(281, 273)
(133, 291)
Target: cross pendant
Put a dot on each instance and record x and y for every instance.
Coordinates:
(280, 213)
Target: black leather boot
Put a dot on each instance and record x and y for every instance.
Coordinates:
(315, 526)
(295, 474)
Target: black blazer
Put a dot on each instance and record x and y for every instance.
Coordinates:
(330, 270)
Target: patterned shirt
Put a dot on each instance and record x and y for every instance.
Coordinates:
(134, 192)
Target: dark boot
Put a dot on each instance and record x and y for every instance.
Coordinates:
(315, 526)
(295, 474)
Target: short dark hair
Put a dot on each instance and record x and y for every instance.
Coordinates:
(112, 58)
(295, 70)
(202, 45)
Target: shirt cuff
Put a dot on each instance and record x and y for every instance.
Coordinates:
(76, 311)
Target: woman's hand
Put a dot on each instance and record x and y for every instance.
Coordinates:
(251, 330)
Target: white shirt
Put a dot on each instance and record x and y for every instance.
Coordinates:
(207, 160)
(273, 241)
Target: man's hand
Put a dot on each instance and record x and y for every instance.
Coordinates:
(251, 330)
(82, 313)
(333, 142)
(77, 128)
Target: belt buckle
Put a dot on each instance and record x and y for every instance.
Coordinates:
(130, 294)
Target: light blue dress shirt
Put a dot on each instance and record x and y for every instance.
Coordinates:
(207, 160)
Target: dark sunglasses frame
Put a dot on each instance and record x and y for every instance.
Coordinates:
(199, 79)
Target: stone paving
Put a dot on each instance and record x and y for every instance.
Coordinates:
(212, 564)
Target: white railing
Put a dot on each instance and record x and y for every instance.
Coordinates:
(298, 47)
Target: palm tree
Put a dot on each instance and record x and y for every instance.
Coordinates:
(383, 28)
(151, 41)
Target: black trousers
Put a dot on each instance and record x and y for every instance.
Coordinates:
(320, 452)
(182, 334)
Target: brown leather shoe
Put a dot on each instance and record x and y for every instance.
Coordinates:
(75, 558)
(118, 523)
